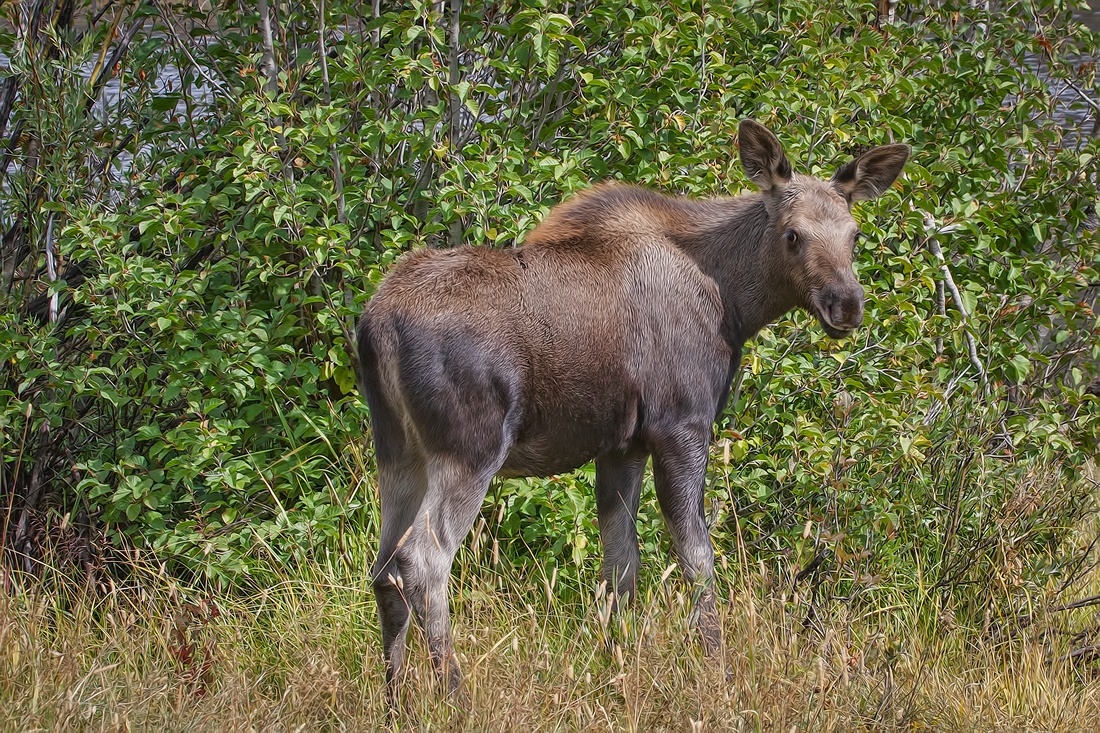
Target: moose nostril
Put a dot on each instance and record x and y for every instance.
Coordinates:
(855, 309)
(836, 310)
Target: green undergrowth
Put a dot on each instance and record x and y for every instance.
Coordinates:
(183, 269)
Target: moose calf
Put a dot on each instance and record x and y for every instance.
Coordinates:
(612, 334)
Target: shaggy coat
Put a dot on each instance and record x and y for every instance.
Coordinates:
(611, 335)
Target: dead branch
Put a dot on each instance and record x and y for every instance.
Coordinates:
(337, 168)
(956, 297)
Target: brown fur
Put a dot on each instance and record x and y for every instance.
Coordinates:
(612, 334)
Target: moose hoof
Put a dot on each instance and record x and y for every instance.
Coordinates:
(710, 633)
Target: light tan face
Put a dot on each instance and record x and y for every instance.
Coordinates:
(815, 243)
(815, 235)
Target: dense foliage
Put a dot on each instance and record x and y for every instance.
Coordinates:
(194, 213)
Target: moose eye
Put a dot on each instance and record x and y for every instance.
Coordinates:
(791, 238)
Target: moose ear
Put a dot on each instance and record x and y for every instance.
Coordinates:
(762, 156)
(869, 175)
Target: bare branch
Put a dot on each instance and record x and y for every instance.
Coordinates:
(455, 229)
(337, 168)
(51, 267)
(1088, 652)
(97, 70)
(222, 85)
(956, 296)
(271, 73)
(106, 70)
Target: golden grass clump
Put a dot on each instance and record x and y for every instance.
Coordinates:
(303, 655)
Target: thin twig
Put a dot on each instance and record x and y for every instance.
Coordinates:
(271, 85)
(1082, 603)
(1027, 619)
(8, 89)
(106, 71)
(271, 72)
(454, 231)
(949, 281)
(51, 267)
(1088, 652)
(23, 530)
(222, 86)
(813, 141)
(337, 168)
(107, 38)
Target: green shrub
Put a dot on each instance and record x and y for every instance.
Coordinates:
(183, 269)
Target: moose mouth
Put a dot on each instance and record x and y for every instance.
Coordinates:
(831, 330)
(839, 309)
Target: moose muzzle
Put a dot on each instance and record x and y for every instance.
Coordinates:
(839, 308)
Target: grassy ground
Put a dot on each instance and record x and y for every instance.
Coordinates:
(303, 655)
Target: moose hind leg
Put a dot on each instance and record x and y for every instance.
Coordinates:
(402, 485)
(618, 486)
(456, 493)
(679, 473)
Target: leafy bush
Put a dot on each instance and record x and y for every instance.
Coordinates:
(183, 266)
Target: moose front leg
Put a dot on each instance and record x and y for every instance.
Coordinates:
(679, 472)
(618, 485)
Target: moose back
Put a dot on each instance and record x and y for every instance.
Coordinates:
(612, 334)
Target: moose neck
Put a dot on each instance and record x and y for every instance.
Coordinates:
(731, 246)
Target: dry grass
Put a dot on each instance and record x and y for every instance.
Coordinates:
(304, 656)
